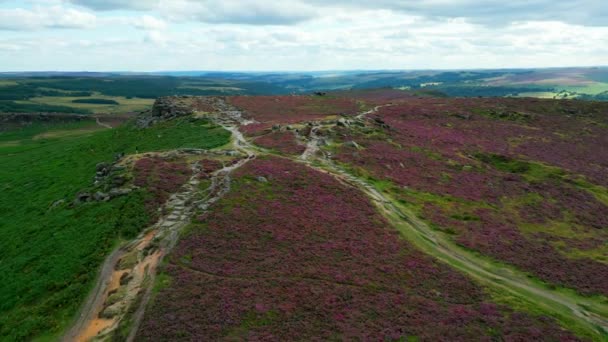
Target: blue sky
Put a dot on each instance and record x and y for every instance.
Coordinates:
(151, 35)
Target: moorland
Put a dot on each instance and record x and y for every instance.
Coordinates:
(402, 213)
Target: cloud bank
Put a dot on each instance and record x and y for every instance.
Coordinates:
(299, 34)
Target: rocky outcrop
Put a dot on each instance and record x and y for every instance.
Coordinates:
(165, 108)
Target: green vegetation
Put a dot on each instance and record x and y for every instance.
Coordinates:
(134, 91)
(51, 250)
(504, 163)
(100, 104)
(96, 101)
(29, 107)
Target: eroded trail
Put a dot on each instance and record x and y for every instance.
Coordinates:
(588, 312)
(566, 306)
(153, 245)
(124, 285)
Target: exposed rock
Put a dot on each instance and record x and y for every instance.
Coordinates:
(359, 123)
(262, 179)
(343, 122)
(118, 181)
(378, 120)
(352, 144)
(82, 198)
(125, 278)
(100, 196)
(231, 153)
(111, 311)
(119, 192)
(113, 298)
(164, 108)
(57, 203)
(464, 116)
(101, 167)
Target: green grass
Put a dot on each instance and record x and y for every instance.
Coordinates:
(33, 107)
(25, 134)
(591, 89)
(6, 83)
(120, 104)
(538, 94)
(50, 256)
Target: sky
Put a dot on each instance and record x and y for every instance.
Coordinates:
(300, 35)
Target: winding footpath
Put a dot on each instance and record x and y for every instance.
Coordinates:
(588, 312)
(102, 313)
(566, 306)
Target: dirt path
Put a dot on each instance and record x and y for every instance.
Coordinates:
(588, 312)
(102, 124)
(95, 300)
(127, 274)
(565, 306)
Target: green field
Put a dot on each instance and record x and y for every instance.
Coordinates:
(50, 254)
(591, 89)
(4, 83)
(125, 105)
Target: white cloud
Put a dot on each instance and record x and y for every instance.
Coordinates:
(150, 23)
(107, 5)
(487, 12)
(45, 17)
(297, 35)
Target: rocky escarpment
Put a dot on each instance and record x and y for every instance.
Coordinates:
(165, 108)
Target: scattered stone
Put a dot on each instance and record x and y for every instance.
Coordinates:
(111, 311)
(113, 298)
(100, 196)
(101, 167)
(82, 198)
(352, 144)
(125, 278)
(359, 123)
(232, 153)
(118, 181)
(119, 192)
(464, 116)
(276, 127)
(57, 203)
(342, 122)
(262, 179)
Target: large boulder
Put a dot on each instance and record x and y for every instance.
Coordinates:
(165, 108)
